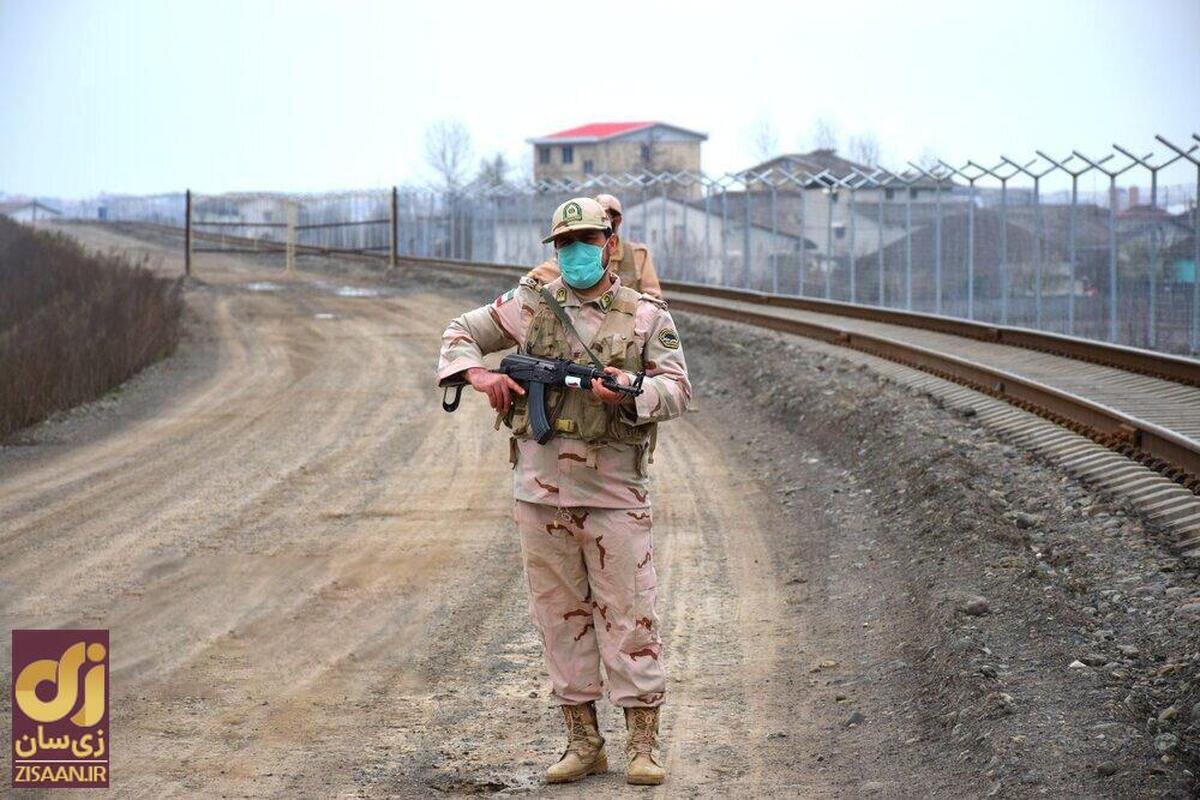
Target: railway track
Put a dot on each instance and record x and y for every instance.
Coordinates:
(1144, 404)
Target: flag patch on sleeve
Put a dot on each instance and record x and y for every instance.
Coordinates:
(504, 298)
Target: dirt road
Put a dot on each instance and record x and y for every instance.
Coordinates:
(312, 578)
(313, 584)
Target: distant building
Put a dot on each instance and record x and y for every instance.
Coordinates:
(614, 148)
(839, 220)
(28, 211)
(708, 247)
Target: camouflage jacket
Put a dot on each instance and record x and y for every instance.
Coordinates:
(569, 472)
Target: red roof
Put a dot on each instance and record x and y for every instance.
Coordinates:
(599, 130)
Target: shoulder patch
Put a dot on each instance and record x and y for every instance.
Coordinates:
(504, 298)
(668, 339)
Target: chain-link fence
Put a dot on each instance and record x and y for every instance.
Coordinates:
(1104, 247)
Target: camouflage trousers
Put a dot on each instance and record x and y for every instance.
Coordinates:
(591, 586)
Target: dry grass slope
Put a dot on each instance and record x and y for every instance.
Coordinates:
(73, 324)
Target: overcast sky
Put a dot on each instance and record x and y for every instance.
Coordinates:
(157, 96)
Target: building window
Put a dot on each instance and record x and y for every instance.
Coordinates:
(913, 193)
(888, 193)
(839, 232)
(568, 153)
(588, 166)
(543, 155)
(645, 154)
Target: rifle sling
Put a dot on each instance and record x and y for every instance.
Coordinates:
(562, 317)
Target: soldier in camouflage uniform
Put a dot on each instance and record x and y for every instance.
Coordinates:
(631, 260)
(582, 500)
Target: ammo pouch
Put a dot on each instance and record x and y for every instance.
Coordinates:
(578, 414)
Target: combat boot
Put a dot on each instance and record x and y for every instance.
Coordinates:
(585, 746)
(645, 762)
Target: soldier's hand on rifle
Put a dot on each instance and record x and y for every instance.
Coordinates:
(496, 386)
(608, 395)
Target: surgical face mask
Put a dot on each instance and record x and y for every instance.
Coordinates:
(581, 264)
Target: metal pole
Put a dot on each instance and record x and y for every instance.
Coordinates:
(645, 210)
(1195, 343)
(746, 252)
(1038, 243)
(667, 246)
(707, 241)
(937, 248)
(1112, 258)
(1072, 253)
(187, 233)
(1112, 235)
(724, 237)
(774, 256)
(829, 242)
(879, 251)
(908, 248)
(971, 251)
(686, 245)
(803, 240)
(853, 288)
(394, 227)
(1004, 277)
(1155, 234)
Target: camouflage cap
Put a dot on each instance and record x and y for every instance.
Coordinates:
(578, 214)
(611, 204)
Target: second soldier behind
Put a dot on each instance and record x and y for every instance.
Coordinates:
(631, 260)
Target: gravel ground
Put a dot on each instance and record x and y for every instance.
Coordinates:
(1027, 631)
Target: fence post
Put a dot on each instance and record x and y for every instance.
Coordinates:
(908, 260)
(1112, 236)
(830, 198)
(879, 251)
(395, 222)
(187, 233)
(852, 214)
(746, 243)
(289, 264)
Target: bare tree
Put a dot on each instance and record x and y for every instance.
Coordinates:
(763, 138)
(493, 172)
(824, 134)
(447, 151)
(865, 149)
(928, 158)
(525, 168)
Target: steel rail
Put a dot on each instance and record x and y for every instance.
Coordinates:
(1131, 359)
(1163, 450)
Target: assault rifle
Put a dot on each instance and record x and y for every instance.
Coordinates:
(535, 374)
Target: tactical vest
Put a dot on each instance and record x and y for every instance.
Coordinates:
(627, 272)
(578, 414)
